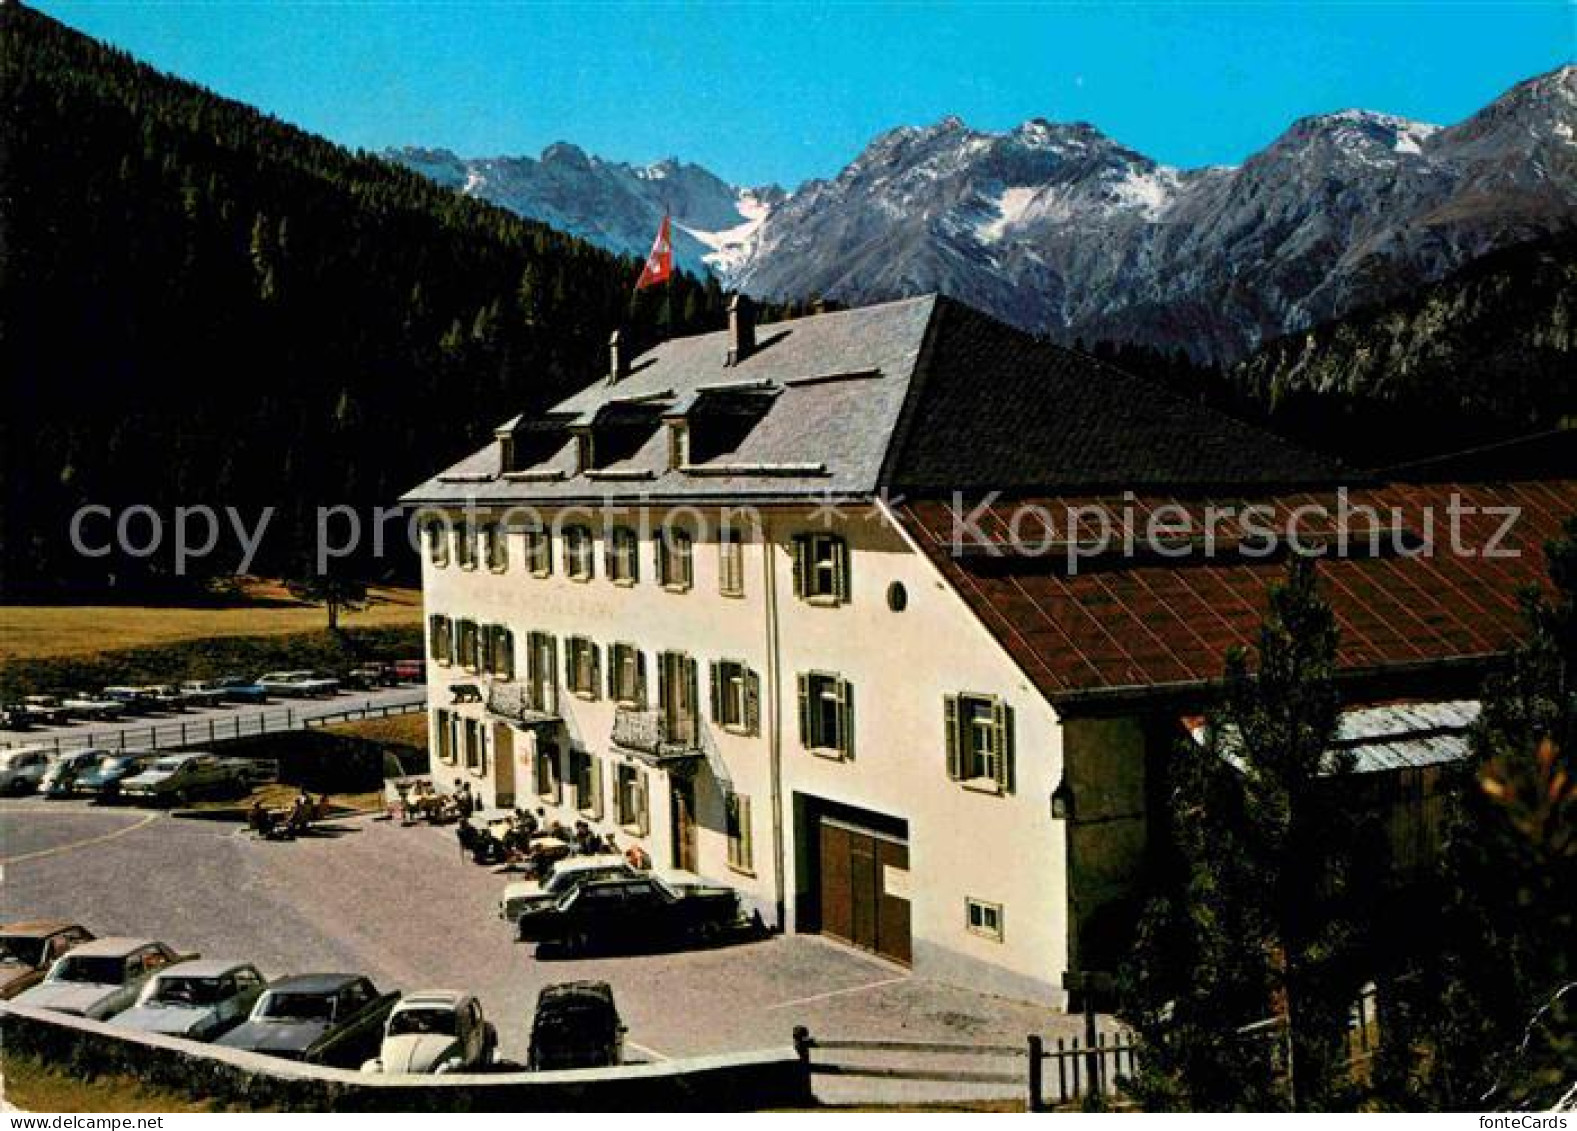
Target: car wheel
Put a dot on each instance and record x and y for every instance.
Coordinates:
(183, 797)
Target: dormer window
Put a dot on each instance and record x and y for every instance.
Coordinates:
(720, 420)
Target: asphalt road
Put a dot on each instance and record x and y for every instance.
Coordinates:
(176, 728)
(399, 905)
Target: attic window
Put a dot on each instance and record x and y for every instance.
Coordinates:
(530, 443)
(619, 430)
(719, 421)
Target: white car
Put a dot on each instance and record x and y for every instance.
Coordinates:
(435, 1031)
(199, 1000)
(89, 707)
(301, 684)
(21, 771)
(100, 978)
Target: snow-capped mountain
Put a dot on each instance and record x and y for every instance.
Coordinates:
(612, 204)
(1057, 228)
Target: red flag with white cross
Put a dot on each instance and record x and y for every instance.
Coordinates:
(660, 263)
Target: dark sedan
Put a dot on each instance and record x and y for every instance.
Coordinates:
(333, 1019)
(629, 913)
(103, 780)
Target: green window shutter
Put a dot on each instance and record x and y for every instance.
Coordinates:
(955, 767)
(1002, 721)
(553, 675)
(596, 669)
(640, 677)
(804, 710)
(608, 541)
(645, 813)
(800, 552)
(596, 787)
(615, 658)
(846, 718)
(692, 686)
(569, 662)
(717, 691)
(841, 569)
(752, 703)
(663, 663)
(453, 641)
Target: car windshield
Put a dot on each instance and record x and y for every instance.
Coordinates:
(168, 764)
(188, 991)
(117, 762)
(99, 970)
(21, 951)
(441, 1021)
(298, 1007)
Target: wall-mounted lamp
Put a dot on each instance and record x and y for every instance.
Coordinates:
(1062, 801)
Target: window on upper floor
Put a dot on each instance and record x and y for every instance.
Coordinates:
(736, 697)
(468, 646)
(542, 673)
(579, 555)
(730, 562)
(465, 545)
(674, 567)
(499, 652)
(676, 698)
(440, 637)
(626, 675)
(581, 662)
(826, 714)
(475, 755)
(495, 547)
(539, 553)
(622, 554)
(979, 741)
(438, 542)
(821, 569)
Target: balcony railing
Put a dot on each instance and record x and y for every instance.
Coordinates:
(514, 703)
(650, 731)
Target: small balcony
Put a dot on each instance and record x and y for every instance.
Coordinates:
(649, 731)
(514, 703)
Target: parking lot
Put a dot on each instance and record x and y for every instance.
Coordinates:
(167, 729)
(399, 905)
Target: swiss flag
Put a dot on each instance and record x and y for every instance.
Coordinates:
(660, 263)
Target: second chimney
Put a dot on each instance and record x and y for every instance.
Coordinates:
(618, 360)
(741, 328)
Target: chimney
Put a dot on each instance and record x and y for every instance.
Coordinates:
(741, 328)
(618, 360)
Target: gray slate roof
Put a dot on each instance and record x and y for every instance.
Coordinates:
(920, 395)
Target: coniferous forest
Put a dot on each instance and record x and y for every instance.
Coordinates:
(202, 304)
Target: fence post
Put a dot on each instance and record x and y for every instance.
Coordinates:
(802, 1044)
(210, 730)
(1036, 1066)
(1062, 1072)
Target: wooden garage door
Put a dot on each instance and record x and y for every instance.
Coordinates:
(864, 890)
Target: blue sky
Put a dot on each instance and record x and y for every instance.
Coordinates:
(772, 92)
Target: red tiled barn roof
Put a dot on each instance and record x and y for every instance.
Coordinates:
(1141, 624)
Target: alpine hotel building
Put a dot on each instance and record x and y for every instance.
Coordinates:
(724, 603)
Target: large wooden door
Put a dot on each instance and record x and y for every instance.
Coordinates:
(864, 890)
(682, 811)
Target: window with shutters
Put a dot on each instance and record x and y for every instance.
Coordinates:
(542, 673)
(550, 785)
(475, 759)
(465, 545)
(826, 715)
(438, 542)
(741, 838)
(443, 735)
(579, 555)
(500, 655)
(730, 562)
(821, 569)
(736, 697)
(467, 647)
(495, 547)
(539, 553)
(979, 741)
(674, 567)
(440, 635)
(626, 675)
(623, 556)
(676, 698)
(630, 802)
(588, 783)
(581, 661)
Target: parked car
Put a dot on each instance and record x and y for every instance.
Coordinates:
(629, 911)
(168, 697)
(202, 1000)
(204, 692)
(410, 671)
(104, 780)
(60, 779)
(18, 716)
(133, 700)
(98, 979)
(573, 871)
(21, 771)
(92, 708)
(48, 710)
(435, 1031)
(179, 778)
(334, 1019)
(304, 684)
(239, 689)
(28, 950)
(576, 1026)
(372, 675)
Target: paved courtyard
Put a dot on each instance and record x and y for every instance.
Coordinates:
(400, 905)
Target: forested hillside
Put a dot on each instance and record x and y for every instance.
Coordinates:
(200, 303)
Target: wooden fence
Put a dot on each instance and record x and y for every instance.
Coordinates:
(1046, 1076)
